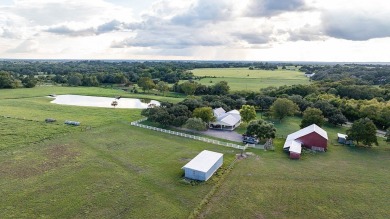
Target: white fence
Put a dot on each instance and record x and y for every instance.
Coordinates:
(208, 140)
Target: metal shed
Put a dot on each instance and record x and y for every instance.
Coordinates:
(203, 166)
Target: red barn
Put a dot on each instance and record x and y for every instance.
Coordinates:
(312, 137)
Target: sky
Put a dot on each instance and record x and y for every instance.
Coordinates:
(252, 30)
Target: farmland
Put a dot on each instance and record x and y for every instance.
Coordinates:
(245, 79)
(115, 170)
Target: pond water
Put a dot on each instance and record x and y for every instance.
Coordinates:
(128, 103)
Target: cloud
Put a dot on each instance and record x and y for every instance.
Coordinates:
(205, 11)
(306, 33)
(26, 46)
(356, 25)
(254, 38)
(269, 8)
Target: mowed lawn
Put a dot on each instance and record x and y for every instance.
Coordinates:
(245, 79)
(108, 170)
(344, 182)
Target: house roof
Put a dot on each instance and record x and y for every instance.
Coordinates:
(203, 161)
(230, 118)
(218, 112)
(309, 129)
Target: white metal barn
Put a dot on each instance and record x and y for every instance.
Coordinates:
(203, 166)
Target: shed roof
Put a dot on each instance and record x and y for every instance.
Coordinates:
(203, 161)
(339, 135)
(307, 130)
(219, 111)
(295, 147)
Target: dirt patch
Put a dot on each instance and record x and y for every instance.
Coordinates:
(53, 157)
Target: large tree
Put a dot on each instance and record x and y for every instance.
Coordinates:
(6, 80)
(29, 82)
(188, 88)
(262, 129)
(363, 130)
(248, 113)
(312, 116)
(283, 107)
(205, 113)
(162, 87)
(196, 124)
(220, 88)
(145, 83)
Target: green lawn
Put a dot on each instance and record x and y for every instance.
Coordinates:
(114, 170)
(245, 79)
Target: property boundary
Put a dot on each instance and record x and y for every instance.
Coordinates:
(207, 140)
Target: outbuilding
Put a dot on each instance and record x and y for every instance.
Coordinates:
(343, 139)
(225, 120)
(203, 166)
(312, 137)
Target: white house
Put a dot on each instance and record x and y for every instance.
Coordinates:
(225, 120)
(203, 166)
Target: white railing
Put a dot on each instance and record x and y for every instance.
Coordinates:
(207, 140)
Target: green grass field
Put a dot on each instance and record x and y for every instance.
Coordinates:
(115, 170)
(245, 79)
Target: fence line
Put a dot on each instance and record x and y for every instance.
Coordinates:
(208, 140)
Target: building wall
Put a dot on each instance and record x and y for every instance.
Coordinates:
(194, 174)
(294, 155)
(214, 168)
(313, 139)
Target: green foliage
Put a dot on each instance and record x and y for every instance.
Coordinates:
(262, 129)
(162, 87)
(363, 130)
(388, 135)
(196, 124)
(29, 82)
(74, 80)
(6, 80)
(220, 88)
(146, 83)
(283, 107)
(188, 88)
(248, 113)
(312, 116)
(204, 113)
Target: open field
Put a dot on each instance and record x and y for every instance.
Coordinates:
(114, 170)
(245, 79)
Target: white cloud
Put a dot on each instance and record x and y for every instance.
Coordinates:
(195, 29)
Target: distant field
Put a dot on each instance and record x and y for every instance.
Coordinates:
(245, 79)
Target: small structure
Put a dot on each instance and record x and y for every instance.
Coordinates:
(203, 166)
(48, 120)
(312, 137)
(342, 139)
(225, 120)
(72, 123)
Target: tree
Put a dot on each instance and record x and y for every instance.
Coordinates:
(29, 82)
(312, 116)
(283, 107)
(188, 88)
(205, 113)
(262, 129)
(6, 80)
(162, 87)
(196, 124)
(220, 88)
(145, 83)
(363, 130)
(388, 135)
(247, 113)
(74, 80)
(337, 119)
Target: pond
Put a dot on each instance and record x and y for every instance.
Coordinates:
(128, 103)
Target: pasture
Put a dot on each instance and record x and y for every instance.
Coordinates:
(245, 79)
(114, 170)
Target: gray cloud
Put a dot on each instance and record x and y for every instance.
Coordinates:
(254, 38)
(356, 25)
(205, 11)
(111, 26)
(269, 8)
(306, 33)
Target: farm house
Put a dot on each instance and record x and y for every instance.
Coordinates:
(203, 166)
(225, 120)
(312, 137)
